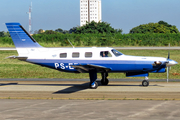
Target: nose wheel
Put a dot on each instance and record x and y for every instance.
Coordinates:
(145, 82)
(104, 80)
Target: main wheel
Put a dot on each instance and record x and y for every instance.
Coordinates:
(104, 82)
(94, 86)
(145, 83)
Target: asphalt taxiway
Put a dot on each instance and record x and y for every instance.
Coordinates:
(55, 99)
(89, 110)
(62, 89)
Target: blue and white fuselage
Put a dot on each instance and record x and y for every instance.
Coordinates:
(93, 60)
(52, 58)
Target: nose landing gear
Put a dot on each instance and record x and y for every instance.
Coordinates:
(145, 82)
(104, 80)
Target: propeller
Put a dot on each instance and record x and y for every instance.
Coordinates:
(167, 74)
(168, 66)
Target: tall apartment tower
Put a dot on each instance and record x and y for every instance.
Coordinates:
(90, 10)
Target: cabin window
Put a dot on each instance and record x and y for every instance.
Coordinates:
(75, 55)
(88, 54)
(63, 55)
(105, 54)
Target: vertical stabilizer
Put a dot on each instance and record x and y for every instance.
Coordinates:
(22, 40)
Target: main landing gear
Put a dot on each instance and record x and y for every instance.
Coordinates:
(93, 77)
(145, 82)
(93, 85)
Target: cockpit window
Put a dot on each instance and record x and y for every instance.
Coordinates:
(116, 53)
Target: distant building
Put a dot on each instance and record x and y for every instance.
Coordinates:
(90, 10)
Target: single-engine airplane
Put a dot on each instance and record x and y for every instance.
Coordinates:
(92, 60)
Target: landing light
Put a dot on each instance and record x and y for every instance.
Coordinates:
(157, 63)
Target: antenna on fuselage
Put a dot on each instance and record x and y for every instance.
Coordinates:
(70, 43)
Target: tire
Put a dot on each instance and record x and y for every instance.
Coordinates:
(104, 82)
(94, 86)
(145, 83)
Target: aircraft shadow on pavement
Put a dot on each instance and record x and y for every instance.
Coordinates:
(4, 84)
(73, 87)
(76, 88)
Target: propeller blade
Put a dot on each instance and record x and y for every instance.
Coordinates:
(167, 74)
(168, 67)
(168, 55)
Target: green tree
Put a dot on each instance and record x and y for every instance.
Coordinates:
(2, 34)
(160, 27)
(59, 30)
(6, 34)
(93, 27)
(165, 23)
(49, 32)
(40, 31)
(73, 30)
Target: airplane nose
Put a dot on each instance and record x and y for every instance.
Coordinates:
(171, 63)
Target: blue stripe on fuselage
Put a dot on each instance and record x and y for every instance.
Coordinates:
(115, 65)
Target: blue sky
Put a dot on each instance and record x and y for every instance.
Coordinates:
(65, 14)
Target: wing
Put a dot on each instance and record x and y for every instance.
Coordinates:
(87, 67)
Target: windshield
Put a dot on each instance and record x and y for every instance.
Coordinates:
(116, 53)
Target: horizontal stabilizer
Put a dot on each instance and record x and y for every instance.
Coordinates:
(16, 57)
